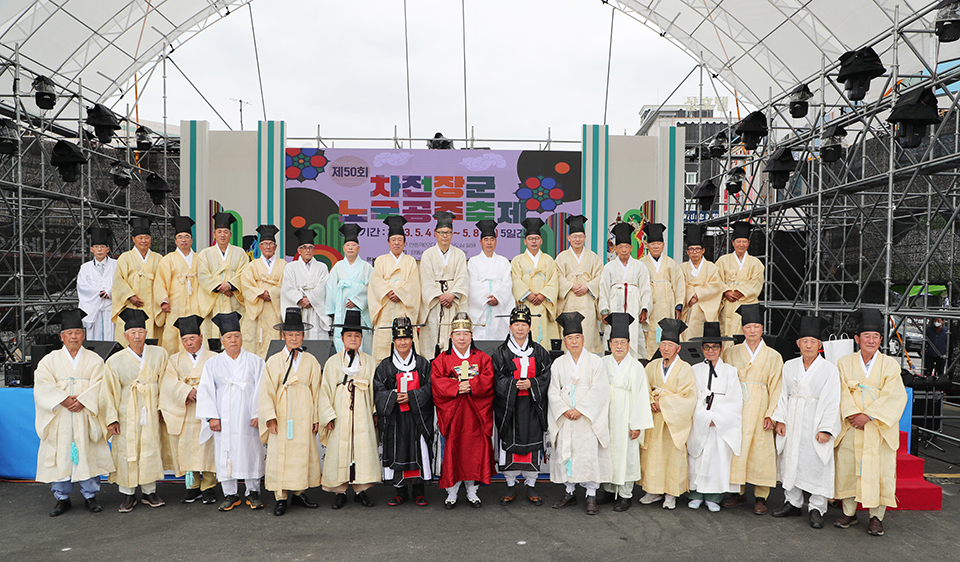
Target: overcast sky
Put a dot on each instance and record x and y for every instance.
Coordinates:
(531, 65)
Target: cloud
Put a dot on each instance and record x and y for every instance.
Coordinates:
(391, 159)
(485, 162)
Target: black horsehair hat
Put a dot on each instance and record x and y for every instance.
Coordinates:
(572, 323)
(670, 329)
(711, 334)
(227, 322)
(351, 232)
(293, 321)
(623, 233)
(133, 318)
(189, 325)
(70, 319)
(267, 232)
(619, 324)
(352, 322)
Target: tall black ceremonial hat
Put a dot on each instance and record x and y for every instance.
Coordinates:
(532, 226)
(811, 327)
(189, 325)
(351, 232)
(694, 235)
(521, 313)
(402, 328)
(133, 318)
(182, 224)
(305, 236)
(227, 322)
(619, 324)
(223, 220)
(576, 223)
(352, 322)
(444, 219)
(654, 231)
(487, 228)
(267, 232)
(71, 319)
(99, 236)
(670, 329)
(868, 320)
(293, 321)
(711, 334)
(571, 322)
(741, 229)
(139, 226)
(623, 233)
(750, 314)
(395, 225)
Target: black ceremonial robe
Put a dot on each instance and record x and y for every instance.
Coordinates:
(402, 425)
(520, 416)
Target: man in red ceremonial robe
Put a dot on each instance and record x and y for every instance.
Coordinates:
(462, 380)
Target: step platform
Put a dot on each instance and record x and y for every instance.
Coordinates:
(914, 493)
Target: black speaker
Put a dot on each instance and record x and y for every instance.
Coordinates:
(689, 352)
(103, 348)
(488, 346)
(927, 409)
(38, 352)
(18, 374)
(215, 345)
(321, 349)
(152, 341)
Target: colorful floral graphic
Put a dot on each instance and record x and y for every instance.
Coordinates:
(540, 194)
(305, 163)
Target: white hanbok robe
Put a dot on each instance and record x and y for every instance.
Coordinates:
(626, 290)
(348, 282)
(716, 434)
(228, 391)
(580, 449)
(809, 403)
(299, 282)
(435, 318)
(489, 276)
(90, 281)
(629, 411)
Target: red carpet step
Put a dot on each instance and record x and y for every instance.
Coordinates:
(914, 493)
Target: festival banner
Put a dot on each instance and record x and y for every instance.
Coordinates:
(326, 188)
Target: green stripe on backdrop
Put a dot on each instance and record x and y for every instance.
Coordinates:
(193, 175)
(282, 219)
(672, 192)
(595, 176)
(601, 225)
(260, 173)
(271, 164)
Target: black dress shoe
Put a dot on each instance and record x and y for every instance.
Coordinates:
(474, 502)
(303, 501)
(62, 507)
(192, 496)
(604, 497)
(363, 499)
(339, 501)
(816, 519)
(788, 510)
(623, 504)
(126, 506)
(92, 505)
(280, 508)
(209, 496)
(566, 501)
(592, 508)
(450, 504)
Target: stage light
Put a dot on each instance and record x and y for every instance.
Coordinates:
(779, 167)
(947, 25)
(830, 148)
(121, 172)
(103, 121)
(46, 95)
(752, 129)
(440, 142)
(705, 194)
(67, 157)
(9, 136)
(718, 146)
(734, 183)
(799, 106)
(696, 152)
(144, 138)
(157, 188)
(912, 114)
(857, 69)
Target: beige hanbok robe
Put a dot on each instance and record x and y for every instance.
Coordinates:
(580, 448)
(663, 460)
(131, 397)
(587, 271)
(135, 276)
(58, 428)
(669, 288)
(540, 278)
(401, 277)
(261, 316)
(866, 460)
(180, 418)
(760, 379)
(212, 270)
(748, 280)
(453, 274)
(629, 411)
(175, 283)
(708, 287)
(293, 460)
(627, 289)
(353, 439)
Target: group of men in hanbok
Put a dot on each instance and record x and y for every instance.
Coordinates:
(376, 405)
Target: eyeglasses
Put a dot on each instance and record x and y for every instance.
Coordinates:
(694, 249)
(712, 346)
(444, 232)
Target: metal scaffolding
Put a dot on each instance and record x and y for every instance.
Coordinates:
(44, 220)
